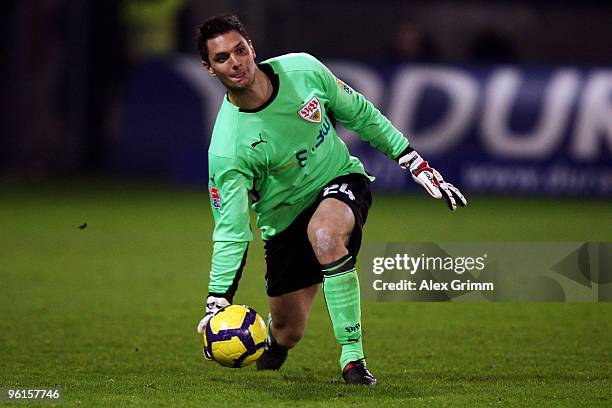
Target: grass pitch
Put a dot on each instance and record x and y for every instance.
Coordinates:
(107, 313)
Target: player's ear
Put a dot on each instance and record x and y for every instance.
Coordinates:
(208, 68)
(252, 49)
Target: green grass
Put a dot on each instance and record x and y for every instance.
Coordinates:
(108, 313)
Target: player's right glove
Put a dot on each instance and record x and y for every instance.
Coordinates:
(214, 304)
(431, 180)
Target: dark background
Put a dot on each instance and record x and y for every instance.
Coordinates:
(65, 63)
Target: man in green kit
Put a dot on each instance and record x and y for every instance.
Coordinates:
(274, 143)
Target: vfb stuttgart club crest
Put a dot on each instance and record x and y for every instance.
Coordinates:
(311, 112)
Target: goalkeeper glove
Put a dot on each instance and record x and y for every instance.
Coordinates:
(214, 305)
(431, 180)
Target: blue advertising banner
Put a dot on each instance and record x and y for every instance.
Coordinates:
(493, 129)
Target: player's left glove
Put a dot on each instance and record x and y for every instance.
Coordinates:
(214, 304)
(431, 180)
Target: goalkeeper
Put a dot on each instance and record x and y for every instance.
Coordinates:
(274, 144)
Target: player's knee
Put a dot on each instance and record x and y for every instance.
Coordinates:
(287, 336)
(327, 243)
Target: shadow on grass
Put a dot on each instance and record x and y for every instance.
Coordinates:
(321, 386)
(516, 377)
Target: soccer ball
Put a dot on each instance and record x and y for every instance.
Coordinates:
(235, 336)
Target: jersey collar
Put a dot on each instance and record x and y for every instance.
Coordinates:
(273, 77)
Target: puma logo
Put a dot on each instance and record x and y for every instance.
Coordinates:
(258, 142)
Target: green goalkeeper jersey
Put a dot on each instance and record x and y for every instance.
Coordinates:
(281, 155)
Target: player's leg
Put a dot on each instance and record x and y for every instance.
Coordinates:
(293, 277)
(335, 236)
(330, 229)
(329, 232)
(287, 321)
(289, 315)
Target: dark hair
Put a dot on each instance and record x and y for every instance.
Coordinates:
(214, 27)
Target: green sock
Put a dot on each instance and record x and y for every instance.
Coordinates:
(341, 290)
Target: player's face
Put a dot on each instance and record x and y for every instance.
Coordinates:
(232, 59)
